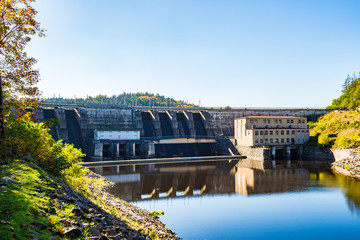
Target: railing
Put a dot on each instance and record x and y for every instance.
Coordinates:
(164, 108)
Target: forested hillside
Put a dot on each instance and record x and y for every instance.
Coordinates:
(350, 98)
(341, 128)
(125, 99)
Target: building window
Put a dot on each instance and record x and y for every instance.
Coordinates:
(307, 131)
(266, 132)
(302, 140)
(298, 132)
(287, 132)
(268, 120)
(279, 120)
(299, 121)
(256, 133)
(261, 133)
(282, 140)
(303, 121)
(277, 132)
(261, 141)
(264, 120)
(276, 121)
(256, 141)
(266, 141)
(288, 121)
(288, 140)
(293, 132)
(277, 140)
(271, 140)
(271, 132)
(292, 121)
(282, 132)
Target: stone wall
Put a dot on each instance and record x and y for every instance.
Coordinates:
(255, 153)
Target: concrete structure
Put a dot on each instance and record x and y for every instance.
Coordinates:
(276, 132)
(181, 128)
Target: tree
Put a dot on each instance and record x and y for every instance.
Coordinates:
(17, 76)
(350, 98)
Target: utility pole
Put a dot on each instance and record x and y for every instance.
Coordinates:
(2, 120)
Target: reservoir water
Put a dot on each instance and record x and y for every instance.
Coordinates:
(243, 199)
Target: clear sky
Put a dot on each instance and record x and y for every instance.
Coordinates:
(267, 53)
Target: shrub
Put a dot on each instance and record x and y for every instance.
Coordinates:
(348, 140)
(24, 138)
(324, 141)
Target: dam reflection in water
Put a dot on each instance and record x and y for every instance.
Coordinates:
(217, 199)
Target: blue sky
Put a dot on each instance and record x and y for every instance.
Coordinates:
(224, 53)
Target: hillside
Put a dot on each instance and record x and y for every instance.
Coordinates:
(125, 99)
(340, 129)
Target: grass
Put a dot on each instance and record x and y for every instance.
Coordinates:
(23, 201)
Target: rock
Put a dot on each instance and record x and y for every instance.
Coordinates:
(52, 210)
(78, 212)
(80, 205)
(73, 233)
(94, 231)
(111, 231)
(80, 224)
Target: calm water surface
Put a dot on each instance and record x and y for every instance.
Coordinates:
(244, 199)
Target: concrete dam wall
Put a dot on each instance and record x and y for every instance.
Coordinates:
(163, 132)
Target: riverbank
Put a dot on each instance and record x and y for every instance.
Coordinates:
(347, 162)
(35, 204)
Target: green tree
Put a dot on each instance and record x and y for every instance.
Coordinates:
(350, 98)
(18, 77)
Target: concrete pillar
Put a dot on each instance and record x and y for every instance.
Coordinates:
(273, 151)
(98, 150)
(133, 149)
(117, 169)
(117, 150)
(157, 123)
(288, 152)
(63, 131)
(151, 149)
(131, 168)
(288, 163)
(300, 151)
(174, 122)
(191, 123)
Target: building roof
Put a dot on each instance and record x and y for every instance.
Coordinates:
(271, 117)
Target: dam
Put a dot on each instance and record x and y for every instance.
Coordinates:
(117, 132)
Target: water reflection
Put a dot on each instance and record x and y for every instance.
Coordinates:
(260, 200)
(247, 177)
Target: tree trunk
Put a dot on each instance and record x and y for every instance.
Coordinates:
(2, 120)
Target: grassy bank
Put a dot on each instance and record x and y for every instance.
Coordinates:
(27, 208)
(37, 204)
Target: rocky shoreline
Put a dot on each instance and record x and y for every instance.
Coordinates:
(93, 221)
(349, 165)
